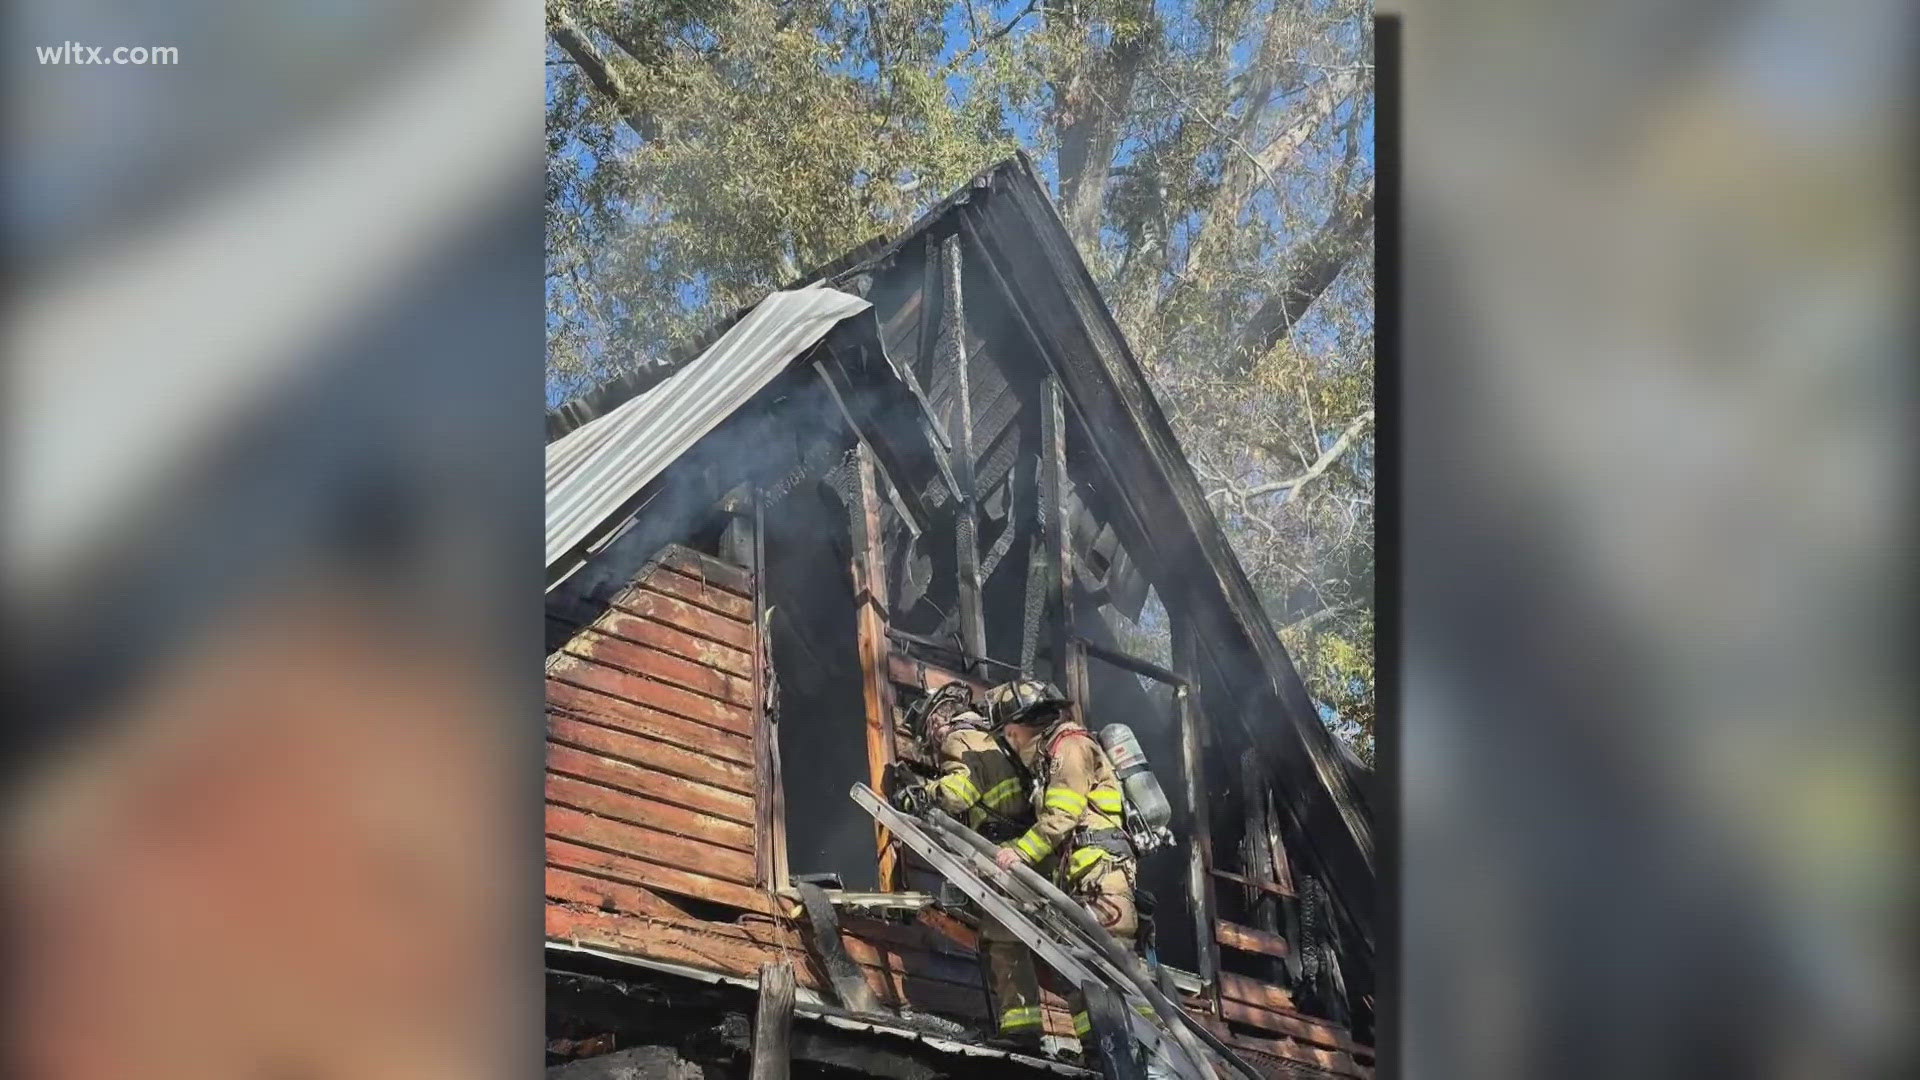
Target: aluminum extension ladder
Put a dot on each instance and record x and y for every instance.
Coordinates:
(1064, 936)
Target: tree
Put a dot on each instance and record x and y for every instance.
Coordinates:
(1212, 161)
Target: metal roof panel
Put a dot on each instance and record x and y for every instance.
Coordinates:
(593, 470)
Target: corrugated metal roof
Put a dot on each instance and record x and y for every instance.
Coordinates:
(594, 469)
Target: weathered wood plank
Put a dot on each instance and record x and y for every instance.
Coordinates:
(594, 675)
(649, 845)
(708, 569)
(690, 764)
(1253, 992)
(693, 944)
(568, 855)
(869, 566)
(773, 1022)
(658, 664)
(668, 581)
(730, 950)
(1249, 939)
(642, 779)
(609, 711)
(672, 639)
(1335, 1061)
(908, 671)
(685, 617)
(1274, 1010)
(623, 806)
(571, 886)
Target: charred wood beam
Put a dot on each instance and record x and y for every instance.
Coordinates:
(869, 566)
(1244, 881)
(1257, 857)
(953, 352)
(912, 671)
(900, 443)
(941, 654)
(1068, 664)
(1193, 775)
(773, 1023)
(848, 982)
(1130, 662)
(770, 816)
(1001, 545)
(1034, 613)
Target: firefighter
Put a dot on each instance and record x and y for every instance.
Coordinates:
(980, 786)
(1077, 837)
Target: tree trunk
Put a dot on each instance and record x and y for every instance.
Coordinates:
(1317, 261)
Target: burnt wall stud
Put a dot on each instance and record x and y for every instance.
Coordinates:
(953, 353)
(1200, 844)
(773, 1023)
(1068, 663)
(869, 566)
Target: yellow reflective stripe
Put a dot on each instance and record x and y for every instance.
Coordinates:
(1032, 846)
(1067, 799)
(1004, 792)
(1107, 801)
(1023, 1017)
(1083, 860)
(961, 787)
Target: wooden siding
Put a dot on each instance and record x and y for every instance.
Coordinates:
(650, 746)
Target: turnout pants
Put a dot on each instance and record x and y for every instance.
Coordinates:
(1014, 984)
(1107, 894)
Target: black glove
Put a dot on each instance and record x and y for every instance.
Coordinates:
(906, 791)
(916, 800)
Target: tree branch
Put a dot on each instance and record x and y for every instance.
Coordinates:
(567, 34)
(1327, 457)
(1238, 184)
(979, 43)
(1313, 619)
(1318, 261)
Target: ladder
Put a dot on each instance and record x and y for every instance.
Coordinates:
(1064, 936)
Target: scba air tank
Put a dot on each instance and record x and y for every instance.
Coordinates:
(1130, 766)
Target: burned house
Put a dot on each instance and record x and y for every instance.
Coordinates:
(933, 460)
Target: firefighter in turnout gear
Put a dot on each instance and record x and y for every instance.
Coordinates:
(1077, 837)
(980, 786)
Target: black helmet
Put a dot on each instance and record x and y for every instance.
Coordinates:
(942, 708)
(1023, 701)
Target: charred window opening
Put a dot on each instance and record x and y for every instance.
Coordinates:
(815, 661)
